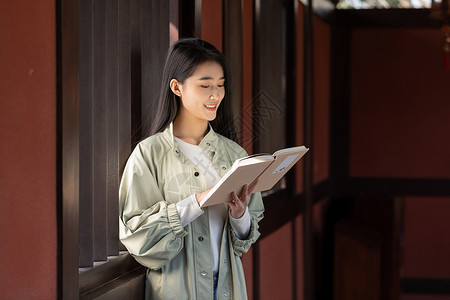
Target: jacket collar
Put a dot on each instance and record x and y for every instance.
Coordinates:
(209, 141)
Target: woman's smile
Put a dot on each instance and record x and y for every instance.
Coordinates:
(211, 107)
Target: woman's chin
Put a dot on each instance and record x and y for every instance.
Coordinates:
(211, 117)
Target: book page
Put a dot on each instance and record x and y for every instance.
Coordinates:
(284, 160)
(285, 163)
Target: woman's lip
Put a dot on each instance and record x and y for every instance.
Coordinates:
(211, 107)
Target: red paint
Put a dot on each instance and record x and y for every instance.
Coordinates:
(247, 73)
(247, 262)
(299, 245)
(28, 150)
(247, 82)
(400, 104)
(276, 264)
(212, 22)
(299, 139)
(321, 142)
(399, 128)
(426, 237)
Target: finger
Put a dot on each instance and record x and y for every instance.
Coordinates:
(253, 186)
(234, 197)
(255, 182)
(244, 191)
(232, 203)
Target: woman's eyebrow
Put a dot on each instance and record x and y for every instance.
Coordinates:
(210, 78)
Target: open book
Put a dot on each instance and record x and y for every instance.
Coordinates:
(269, 168)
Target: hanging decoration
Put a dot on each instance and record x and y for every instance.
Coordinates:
(446, 31)
(440, 9)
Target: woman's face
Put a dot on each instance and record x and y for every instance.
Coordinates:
(202, 92)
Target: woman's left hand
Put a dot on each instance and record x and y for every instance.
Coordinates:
(238, 205)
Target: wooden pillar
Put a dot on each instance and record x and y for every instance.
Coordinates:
(68, 145)
(308, 229)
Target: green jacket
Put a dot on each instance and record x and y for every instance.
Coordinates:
(156, 177)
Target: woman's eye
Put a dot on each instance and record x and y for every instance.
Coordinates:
(221, 85)
(205, 86)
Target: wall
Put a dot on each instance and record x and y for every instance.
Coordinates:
(427, 232)
(321, 99)
(399, 128)
(400, 104)
(28, 150)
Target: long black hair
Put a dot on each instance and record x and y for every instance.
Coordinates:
(182, 59)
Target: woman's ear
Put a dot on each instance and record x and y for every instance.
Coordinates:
(175, 87)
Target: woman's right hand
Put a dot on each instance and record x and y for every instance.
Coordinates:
(199, 197)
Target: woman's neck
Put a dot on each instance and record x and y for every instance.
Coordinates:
(190, 131)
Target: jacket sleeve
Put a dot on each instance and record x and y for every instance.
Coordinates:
(150, 228)
(256, 210)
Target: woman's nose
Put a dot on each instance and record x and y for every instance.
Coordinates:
(217, 93)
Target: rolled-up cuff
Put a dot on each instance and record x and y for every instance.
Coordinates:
(242, 246)
(174, 221)
(241, 226)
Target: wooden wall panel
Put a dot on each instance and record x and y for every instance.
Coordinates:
(86, 135)
(68, 148)
(299, 97)
(232, 49)
(357, 272)
(190, 18)
(113, 47)
(385, 216)
(154, 42)
(174, 16)
(299, 246)
(247, 78)
(269, 105)
(104, 34)
(321, 100)
(397, 94)
(100, 133)
(136, 71)
(125, 288)
(399, 104)
(426, 237)
(247, 262)
(276, 264)
(124, 84)
(318, 233)
(113, 123)
(247, 97)
(212, 21)
(308, 179)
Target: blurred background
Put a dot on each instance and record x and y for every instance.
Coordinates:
(364, 84)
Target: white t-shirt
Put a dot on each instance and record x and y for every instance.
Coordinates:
(188, 209)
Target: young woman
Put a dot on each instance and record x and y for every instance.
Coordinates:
(190, 252)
